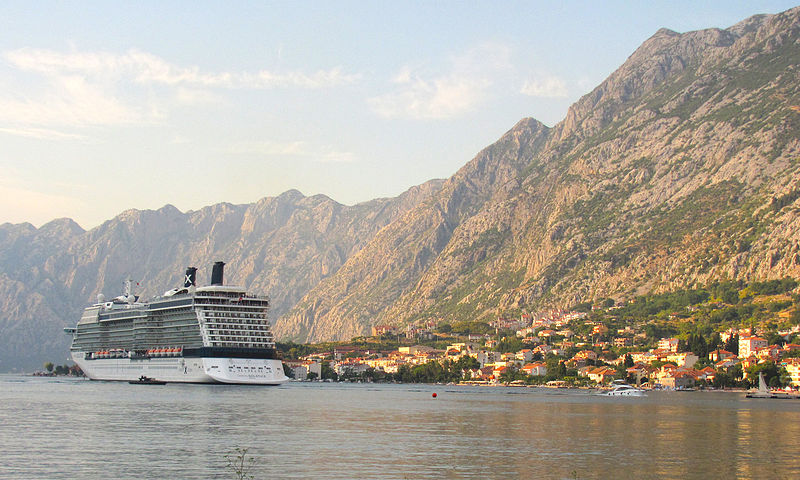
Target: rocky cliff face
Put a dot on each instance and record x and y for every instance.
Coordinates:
(282, 246)
(681, 167)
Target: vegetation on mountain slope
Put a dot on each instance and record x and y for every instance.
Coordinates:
(680, 168)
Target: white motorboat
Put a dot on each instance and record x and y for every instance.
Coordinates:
(625, 390)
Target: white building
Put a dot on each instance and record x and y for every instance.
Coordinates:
(668, 344)
(750, 345)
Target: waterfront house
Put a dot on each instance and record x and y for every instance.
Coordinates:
(668, 344)
(719, 354)
(415, 349)
(543, 350)
(750, 346)
(525, 355)
(792, 366)
(587, 354)
(487, 373)
(727, 363)
(790, 347)
(601, 374)
(687, 359)
(639, 370)
(641, 357)
(772, 352)
(599, 329)
(679, 379)
(749, 362)
(547, 333)
(535, 369)
(707, 374)
(621, 342)
(379, 330)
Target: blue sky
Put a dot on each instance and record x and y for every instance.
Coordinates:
(106, 106)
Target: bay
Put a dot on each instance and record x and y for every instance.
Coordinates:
(59, 428)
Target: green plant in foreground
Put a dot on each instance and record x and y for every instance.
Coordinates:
(240, 464)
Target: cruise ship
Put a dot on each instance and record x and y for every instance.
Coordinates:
(211, 334)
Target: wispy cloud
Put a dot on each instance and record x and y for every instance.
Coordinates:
(146, 68)
(297, 149)
(51, 88)
(42, 134)
(464, 85)
(548, 86)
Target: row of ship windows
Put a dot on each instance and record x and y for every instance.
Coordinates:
(234, 326)
(234, 315)
(238, 344)
(256, 335)
(223, 321)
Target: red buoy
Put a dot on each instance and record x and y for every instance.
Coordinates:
(433, 395)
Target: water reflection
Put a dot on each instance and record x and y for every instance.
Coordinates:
(105, 430)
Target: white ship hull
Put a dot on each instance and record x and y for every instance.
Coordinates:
(255, 371)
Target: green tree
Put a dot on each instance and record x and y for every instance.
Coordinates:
(732, 345)
(49, 367)
(795, 318)
(715, 342)
(509, 344)
(328, 372)
(772, 375)
(511, 374)
(723, 379)
(628, 361)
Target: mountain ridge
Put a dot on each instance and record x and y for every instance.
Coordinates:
(278, 245)
(579, 219)
(680, 168)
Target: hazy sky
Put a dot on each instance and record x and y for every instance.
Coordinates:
(106, 106)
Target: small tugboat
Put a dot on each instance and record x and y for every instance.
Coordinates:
(143, 380)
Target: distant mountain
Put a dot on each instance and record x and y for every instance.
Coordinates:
(282, 246)
(681, 167)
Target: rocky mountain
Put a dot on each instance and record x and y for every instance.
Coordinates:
(282, 246)
(681, 167)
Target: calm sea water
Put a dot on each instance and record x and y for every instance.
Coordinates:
(64, 428)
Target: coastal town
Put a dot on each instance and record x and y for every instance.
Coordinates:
(581, 348)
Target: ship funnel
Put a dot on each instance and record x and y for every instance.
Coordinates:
(217, 273)
(190, 278)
